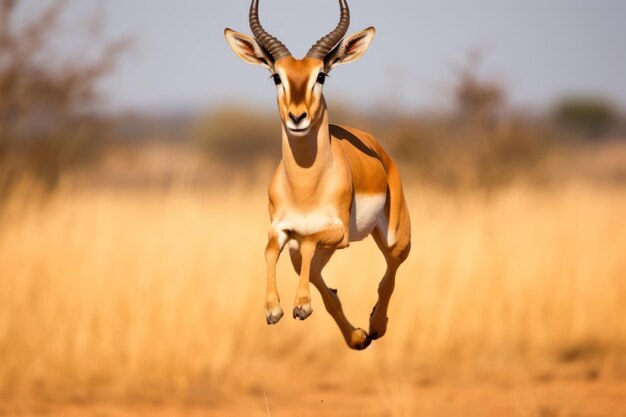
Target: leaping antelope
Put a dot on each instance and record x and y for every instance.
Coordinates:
(334, 185)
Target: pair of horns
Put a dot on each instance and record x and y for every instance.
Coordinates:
(321, 48)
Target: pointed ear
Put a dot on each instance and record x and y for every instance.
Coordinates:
(351, 48)
(248, 49)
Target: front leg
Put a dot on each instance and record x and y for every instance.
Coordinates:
(334, 236)
(302, 305)
(275, 243)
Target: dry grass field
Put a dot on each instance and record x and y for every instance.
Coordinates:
(132, 285)
(151, 303)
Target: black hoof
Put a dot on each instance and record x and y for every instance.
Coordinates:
(273, 319)
(301, 312)
(364, 345)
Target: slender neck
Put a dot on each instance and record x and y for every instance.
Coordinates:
(306, 158)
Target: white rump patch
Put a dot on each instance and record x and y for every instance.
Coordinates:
(367, 211)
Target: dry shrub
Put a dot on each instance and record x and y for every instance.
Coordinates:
(480, 143)
(589, 117)
(239, 135)
(47, 123)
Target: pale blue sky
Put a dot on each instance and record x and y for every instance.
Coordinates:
(541, 49)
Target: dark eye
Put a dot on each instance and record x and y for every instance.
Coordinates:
(277, 80)
(321, 78)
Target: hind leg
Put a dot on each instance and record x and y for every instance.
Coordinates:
(395, 254)
(355, 338)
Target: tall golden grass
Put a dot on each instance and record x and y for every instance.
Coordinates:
(112, 294)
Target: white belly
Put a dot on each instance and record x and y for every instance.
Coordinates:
(367, 210)
(305, 224)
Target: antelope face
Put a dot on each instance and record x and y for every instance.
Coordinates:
(299, 83)
(299, 93)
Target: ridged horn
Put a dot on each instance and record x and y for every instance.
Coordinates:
(272, 45)
(328, 42)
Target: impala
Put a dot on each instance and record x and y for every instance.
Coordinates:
(334, 185)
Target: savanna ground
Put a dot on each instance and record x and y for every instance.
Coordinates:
(120, 302)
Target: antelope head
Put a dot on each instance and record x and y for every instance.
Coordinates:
(299, 82)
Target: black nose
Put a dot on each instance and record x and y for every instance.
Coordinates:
(297, 119)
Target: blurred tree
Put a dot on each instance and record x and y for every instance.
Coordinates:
(477, 99)
(588, 116)
(45, 120)
(239, 136)
(481, 143)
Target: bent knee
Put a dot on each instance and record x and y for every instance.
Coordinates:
(399, 253)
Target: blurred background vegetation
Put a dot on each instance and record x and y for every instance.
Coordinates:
(50, 126)
(47, 121)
